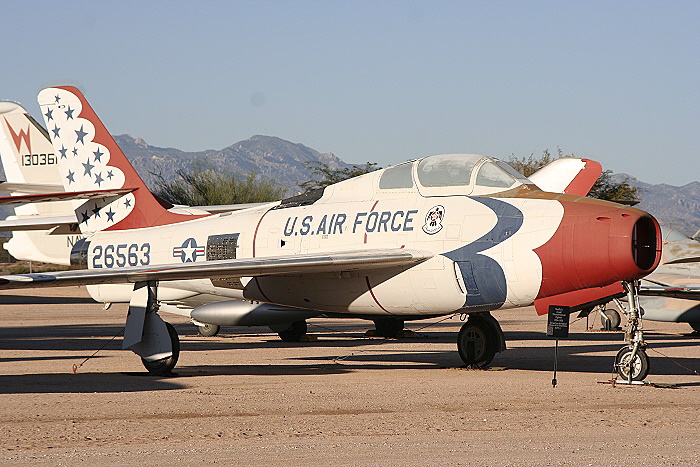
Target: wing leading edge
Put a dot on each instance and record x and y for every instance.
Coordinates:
(275, 265)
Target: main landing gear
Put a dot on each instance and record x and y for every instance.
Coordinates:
(480, 338)
(147, 335)
(632, 362)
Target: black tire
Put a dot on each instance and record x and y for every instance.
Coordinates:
(476, 343)
(613, 316)
(165, 366)
(208, 330)
(388, 327)
(640, 367)
(294, 333)
(695, 325)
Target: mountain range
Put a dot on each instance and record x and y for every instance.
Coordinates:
(284, 161)
(267, 156)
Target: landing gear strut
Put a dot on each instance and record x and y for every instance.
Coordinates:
(479, 340)
(632, 362)
(147, 335)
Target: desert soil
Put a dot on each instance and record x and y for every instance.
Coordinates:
(247, 398)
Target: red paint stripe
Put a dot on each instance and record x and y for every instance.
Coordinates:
(369, 287)
(583, 182)
(255, 235)
(374, 206)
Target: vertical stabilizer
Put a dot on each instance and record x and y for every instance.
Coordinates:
(89, 159)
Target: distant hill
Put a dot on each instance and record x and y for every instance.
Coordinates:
(268, 156)
(675, 206)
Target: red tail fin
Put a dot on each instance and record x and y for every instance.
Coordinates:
(90, 159)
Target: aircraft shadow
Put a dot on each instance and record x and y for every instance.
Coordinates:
(52, 383)
(39, 300)
(571, 359)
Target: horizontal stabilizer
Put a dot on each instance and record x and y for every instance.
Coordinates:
(362, 260)
(38, 223)
(29, 188)
(42, 197)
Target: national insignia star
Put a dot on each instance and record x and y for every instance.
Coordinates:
(69, 113)
(63, 152)
(110, 215)
(55, 130)
(81, 134)
(49, 114)
(99, 179)
(98, 154)
(88, 168)
(70, 176)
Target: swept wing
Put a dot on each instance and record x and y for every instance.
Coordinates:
(360, 260)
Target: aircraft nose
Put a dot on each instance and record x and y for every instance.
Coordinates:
(598, 243)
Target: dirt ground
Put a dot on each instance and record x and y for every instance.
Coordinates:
(247, 398)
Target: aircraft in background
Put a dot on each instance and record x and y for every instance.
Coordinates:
(435, 236)
(672, 292)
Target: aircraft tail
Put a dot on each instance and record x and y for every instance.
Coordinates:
(568, 175)
(90, 159)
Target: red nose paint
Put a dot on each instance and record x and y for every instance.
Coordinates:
(597, 244)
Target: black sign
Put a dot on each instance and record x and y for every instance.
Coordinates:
(558, 321)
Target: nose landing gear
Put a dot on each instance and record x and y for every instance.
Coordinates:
(632, 361)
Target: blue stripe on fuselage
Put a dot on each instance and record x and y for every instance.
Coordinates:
(481, 273)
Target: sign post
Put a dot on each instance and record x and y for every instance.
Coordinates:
(557, 327)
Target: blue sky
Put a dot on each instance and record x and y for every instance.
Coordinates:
(379, 81)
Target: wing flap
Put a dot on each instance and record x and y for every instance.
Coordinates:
(277, 265)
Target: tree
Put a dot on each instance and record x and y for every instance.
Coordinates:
(203, 185)
(322, 175)
(604, 188)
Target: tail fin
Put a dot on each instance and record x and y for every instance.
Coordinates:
(30, 163)
(568, 175)
(25, 149)
(90, 159)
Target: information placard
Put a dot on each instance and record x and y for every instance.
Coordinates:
(558, 321)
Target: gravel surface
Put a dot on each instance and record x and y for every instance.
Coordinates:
(247, 398)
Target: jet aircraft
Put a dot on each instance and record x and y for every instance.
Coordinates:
(438, 235)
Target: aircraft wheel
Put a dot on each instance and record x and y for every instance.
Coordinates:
(164, 367)
(208, 330)
(294, 333)
(695, 325)
(388, 327)
(476, 343)
(639, 367)
(613, 316)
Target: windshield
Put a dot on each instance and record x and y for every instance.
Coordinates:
(447, 170)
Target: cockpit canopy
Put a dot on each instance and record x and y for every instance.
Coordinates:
(451, 174)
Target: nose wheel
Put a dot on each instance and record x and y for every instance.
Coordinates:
(632, 361)
(632, 365)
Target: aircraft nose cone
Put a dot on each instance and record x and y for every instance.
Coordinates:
(598, 243)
